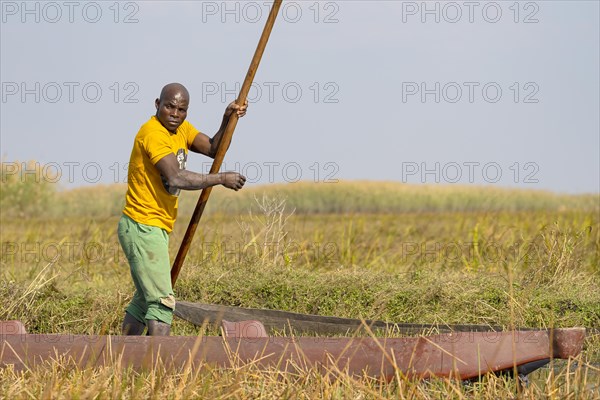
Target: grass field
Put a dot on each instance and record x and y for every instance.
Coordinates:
(427, 254)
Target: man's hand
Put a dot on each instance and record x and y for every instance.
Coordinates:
(232, 180)
(241, 111)
(207, 146)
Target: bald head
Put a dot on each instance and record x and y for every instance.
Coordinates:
(174, 90)
(171, 107)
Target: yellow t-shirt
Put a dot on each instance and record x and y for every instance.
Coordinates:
(149, 199)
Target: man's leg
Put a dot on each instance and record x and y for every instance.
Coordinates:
(134, 321)
(137, 307)
(157, 328)
(147, 250)
(151, 273)
(131, 326)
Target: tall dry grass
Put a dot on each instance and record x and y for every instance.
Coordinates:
(378, 251)
(31, 192)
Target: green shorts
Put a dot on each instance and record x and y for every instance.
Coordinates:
(147, 250)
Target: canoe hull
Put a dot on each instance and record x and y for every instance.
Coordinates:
(461, 355)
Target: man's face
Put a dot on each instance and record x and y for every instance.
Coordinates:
(171, 110)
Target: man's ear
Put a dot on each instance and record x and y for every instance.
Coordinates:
(156, 103)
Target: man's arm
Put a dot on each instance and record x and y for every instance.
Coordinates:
(207, 146)
(188, 180)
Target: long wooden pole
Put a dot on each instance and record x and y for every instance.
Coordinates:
(224, 143)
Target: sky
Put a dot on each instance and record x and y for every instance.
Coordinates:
(499, 94)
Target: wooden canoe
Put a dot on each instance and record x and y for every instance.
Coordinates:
(199, 313)
(463, 355)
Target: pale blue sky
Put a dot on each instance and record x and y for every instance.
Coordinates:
(365, 68)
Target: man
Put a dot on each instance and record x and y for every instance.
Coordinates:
(155, 177)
